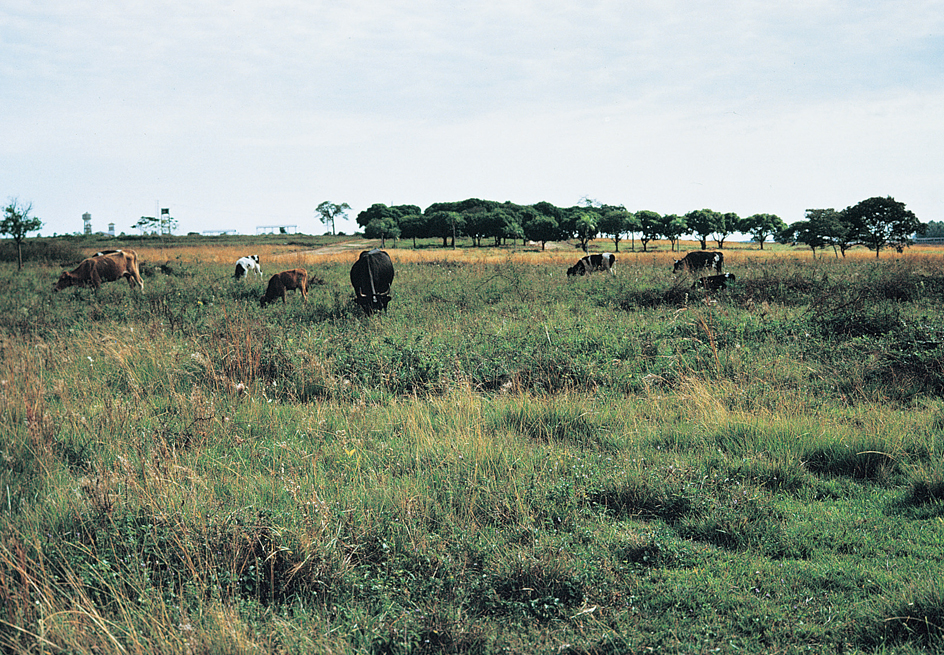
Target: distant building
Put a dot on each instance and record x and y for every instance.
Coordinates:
(87, 218)
(111, 229)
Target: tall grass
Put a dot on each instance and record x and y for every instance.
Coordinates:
(507, 460)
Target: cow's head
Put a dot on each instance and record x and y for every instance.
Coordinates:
(678, 265)
(372, 303)
(65, 280)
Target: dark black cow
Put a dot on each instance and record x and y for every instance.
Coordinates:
(371, 277)
(590, 263)
(698, 260)
(714, 282)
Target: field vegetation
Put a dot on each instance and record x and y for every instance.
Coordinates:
(506, 461)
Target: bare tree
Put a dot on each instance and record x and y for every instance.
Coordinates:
(330, 213)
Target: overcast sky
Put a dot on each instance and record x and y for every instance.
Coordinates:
(241, 114)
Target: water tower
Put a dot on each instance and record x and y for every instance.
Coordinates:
(88, 223)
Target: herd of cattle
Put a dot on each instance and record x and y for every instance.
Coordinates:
(371, 275)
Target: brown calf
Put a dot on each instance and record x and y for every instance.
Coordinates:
(297, 278)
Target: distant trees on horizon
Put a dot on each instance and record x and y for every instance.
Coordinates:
(876, 223)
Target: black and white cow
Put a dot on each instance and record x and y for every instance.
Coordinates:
(714, 282)
(246, 264)
(698, 260)
(371, 276)
(590, 263)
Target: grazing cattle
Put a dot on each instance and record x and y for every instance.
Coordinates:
(246, 264)
(591, 263)
(297, 278)
(371, 277)
(699, 259)
(714, 282)
(106, 266)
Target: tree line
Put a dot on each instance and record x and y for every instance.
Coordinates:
(875, 223)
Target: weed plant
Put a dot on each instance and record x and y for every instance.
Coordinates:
(505, 461)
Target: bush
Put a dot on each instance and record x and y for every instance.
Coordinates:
(57, 252)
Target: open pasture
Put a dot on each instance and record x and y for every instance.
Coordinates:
(505, 461)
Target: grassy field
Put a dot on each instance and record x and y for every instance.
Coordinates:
(506, 461)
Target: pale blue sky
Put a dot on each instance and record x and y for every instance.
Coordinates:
(240, 114)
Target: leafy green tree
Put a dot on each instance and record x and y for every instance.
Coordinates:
(761, 226)
(803, 232)
(832, 226)
(702, 222)
(480, 219)
(330, 212)
(443, 224)
(672, 227)
(726, 225)
(412, 226)
(632, 228)
(615, 222)
(18, 223)
(376, 211)
(822, 228)
(542, 228)
(509, 223)
(481, 222)
(882, 222)
(586, 229)
(523, 215)
(650, 227)
(383, 229)
(547, 209)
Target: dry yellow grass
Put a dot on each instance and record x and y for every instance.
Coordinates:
(278, 256)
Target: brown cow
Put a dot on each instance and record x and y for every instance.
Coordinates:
(297, 278)
(103, 267)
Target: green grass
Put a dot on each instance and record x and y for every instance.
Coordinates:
(506, 461)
